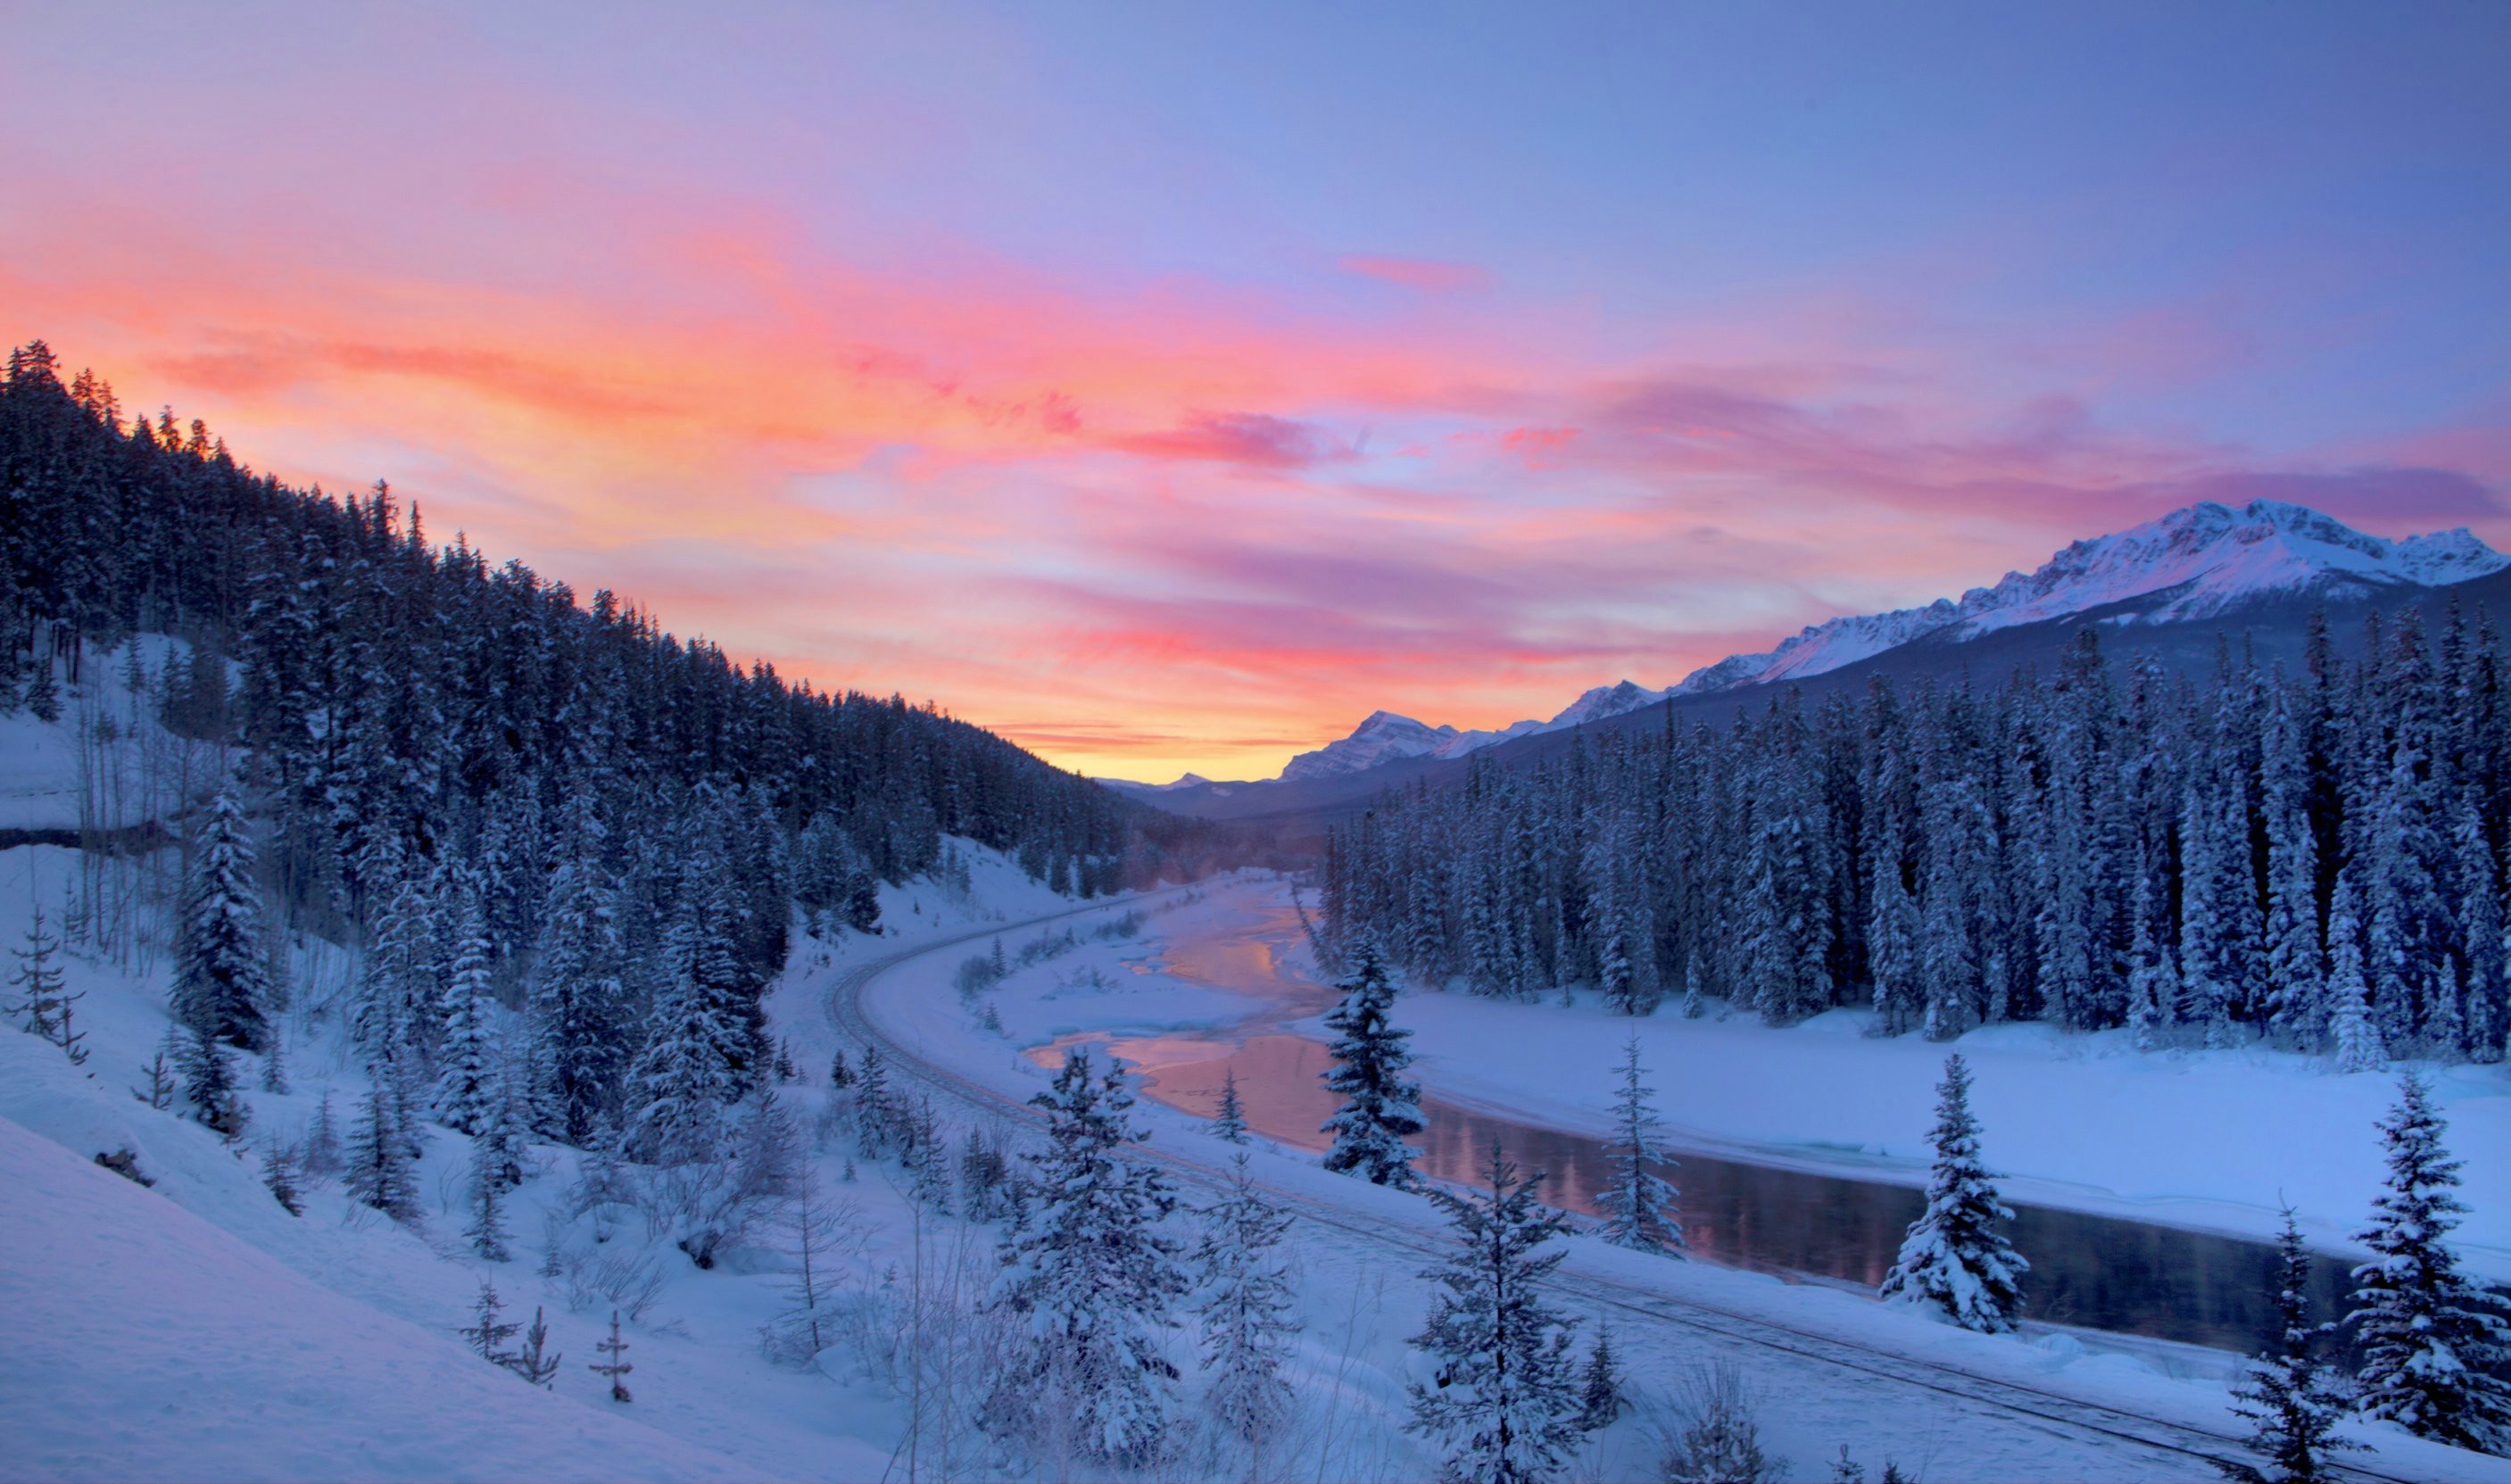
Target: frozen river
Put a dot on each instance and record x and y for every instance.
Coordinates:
(2098, 1271)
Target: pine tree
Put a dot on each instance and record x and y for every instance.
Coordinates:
(839, 1077)
(1504, 1404)
(223, 987)
(1380, 1109)
(487, 1229)
(1639, 1204)
(1954, 1259)
(2433, 1344)
(578, 1002)
(1600, 1385)
(2349, 996)
(42, 992)
(467, 1089)
(274, 1065)
(874, 1114)
(2294, 1399)
(278, 1176)
(163, 1072)
(611, 1367)
(1230, 1122)
(321, 1155)
(379, 1173)
(486, 1332)
(680, 1085)
(1091, 1279)
(1693, 1006)
(1244, 1300)
(533, 1360)
(210, 1086)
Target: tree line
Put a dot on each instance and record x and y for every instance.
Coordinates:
(2313, 858)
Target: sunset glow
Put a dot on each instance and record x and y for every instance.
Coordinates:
(1168, 421)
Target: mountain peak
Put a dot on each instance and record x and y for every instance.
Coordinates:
(2189, 563)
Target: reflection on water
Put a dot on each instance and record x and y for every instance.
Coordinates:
(2097, 1272)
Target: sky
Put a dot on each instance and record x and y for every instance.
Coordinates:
(1169, 387)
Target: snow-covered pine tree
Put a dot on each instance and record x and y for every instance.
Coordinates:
(874, 1114)
(1599, 1384)
(1230, 1122)
(379, 1173)
(680, 1084)
(1639, 1203)
(1892, 950)
(2292, 1397)
(1244, 1301)
(487, 1185)
(467, 1089)
(840, 1076)
(223, 987)
(1504, 1404)
(578, 1002)
(1092, 1280)
(209, 1085)
(2350, 1029)
(1693, 1006)
(1380, 1109)
(1953, 1257)
(2433, 1344)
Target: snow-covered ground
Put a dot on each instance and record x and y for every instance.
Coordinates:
(195, 1329)
(1811, 1406)
(2214, 1140)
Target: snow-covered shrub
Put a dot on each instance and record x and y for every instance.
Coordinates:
(1716, 1438)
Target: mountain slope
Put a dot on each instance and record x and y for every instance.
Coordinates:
(2168, 587)
(2203, 561)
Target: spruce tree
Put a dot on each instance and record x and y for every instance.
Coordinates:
(1639, 1204)
(2292, 1397)
(379, 1173)
(680, 1085)
(467, 1089)
(1504, 1402)
(1243, 1301)
(874, 1114)
(533, 1359)
(279, 1178)
(488, 1332)
(210, 1086)
(1599, 1384)
(42, 990)
(1091, 1279)
(578, 1002)
(2433, 1342)
(1953, 1257)
(1382, 1109)
(1229, 1121)
(487, 1229)
(2350, 1027)
(223, 987)
(613, 1365)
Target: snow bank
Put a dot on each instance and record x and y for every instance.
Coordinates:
(145, 1341)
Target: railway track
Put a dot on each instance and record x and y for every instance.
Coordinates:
(2201, 1448)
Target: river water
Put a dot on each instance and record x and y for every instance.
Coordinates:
(2097, 1272)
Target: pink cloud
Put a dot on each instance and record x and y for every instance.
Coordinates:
(1425, 275)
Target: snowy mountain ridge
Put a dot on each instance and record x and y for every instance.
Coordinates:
(2209, 558)
(2200, 561)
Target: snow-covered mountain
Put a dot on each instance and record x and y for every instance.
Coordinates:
(2192, 563)
(2205, 560)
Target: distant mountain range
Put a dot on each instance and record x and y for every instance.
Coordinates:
(2202, 568)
